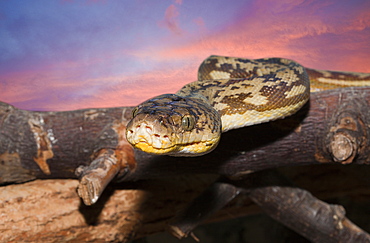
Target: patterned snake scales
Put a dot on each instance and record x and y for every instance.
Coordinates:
(230, 93)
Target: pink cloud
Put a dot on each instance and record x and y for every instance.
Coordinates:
(170, 20)
(320, 42)
(134, 90)
(51, 90)
(130, 90)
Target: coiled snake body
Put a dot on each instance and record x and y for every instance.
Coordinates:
(230, 93)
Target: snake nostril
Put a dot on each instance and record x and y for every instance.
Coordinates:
(157, 135)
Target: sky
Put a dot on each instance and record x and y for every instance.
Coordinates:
(73, 54)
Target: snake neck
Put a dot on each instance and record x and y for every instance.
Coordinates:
(199, 91)
(200, 98)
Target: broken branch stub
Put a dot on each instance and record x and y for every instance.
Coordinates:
(108, 164)
(347, 133)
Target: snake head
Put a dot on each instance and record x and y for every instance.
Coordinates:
(173, 125)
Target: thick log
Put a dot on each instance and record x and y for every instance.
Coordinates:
(333, 127)
(51, 211)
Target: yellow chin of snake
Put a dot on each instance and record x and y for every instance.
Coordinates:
(144, 146)
(189, 149)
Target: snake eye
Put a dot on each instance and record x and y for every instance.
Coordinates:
(187, 122)
(134, 112)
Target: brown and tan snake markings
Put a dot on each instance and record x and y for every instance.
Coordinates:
(230, 93)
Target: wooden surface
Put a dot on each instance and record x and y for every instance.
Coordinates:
(51, 211)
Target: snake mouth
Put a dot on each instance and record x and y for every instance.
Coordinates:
(148, 148)
(188, 149)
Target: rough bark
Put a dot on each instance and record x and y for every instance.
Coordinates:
(314, 219)
(332, 128)
(280, 199)
(51, 211)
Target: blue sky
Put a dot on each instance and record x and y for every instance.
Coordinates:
(62, 55)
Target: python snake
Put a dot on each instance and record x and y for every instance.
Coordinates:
(230, 93)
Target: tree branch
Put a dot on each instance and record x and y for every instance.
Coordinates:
(332, 128)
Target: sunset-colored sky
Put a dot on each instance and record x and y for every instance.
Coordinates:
(73, 54)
